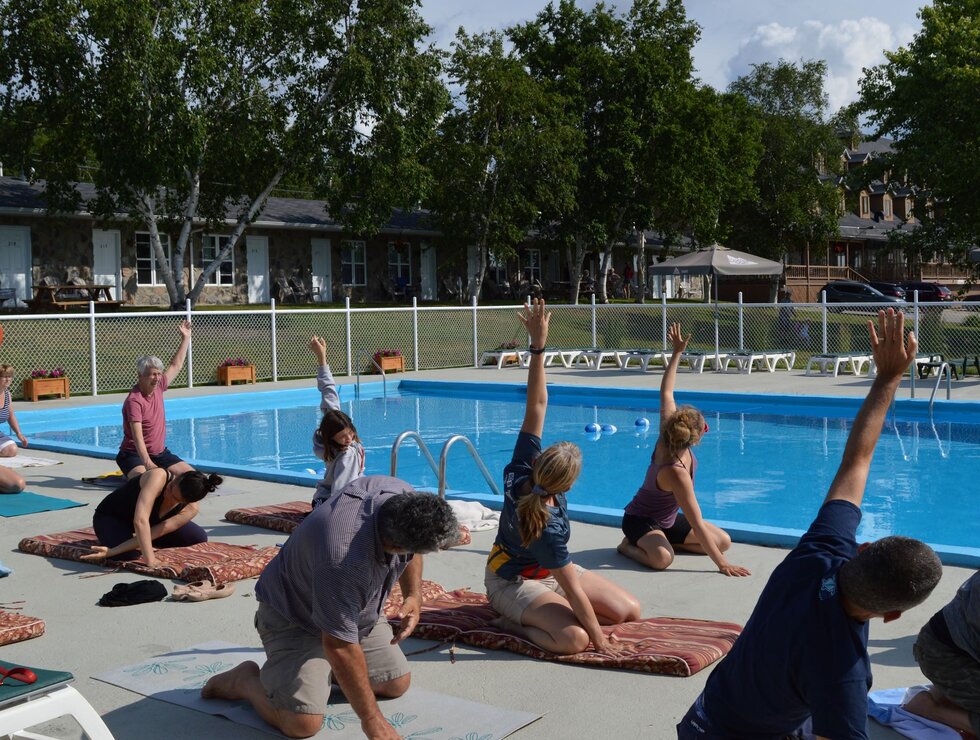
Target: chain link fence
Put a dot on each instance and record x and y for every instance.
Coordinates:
(98, 351)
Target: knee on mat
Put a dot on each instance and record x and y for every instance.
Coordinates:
(572, 639)
(394, 688)
(15, 484)
(300, 725)
(629, 610)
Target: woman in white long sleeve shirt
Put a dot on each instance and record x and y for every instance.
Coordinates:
(335, 441)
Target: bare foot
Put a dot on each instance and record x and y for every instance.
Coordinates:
(939, 709)
(632, 552)
(229, 685)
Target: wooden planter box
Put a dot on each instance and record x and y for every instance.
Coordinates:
(392, 364)
(227, 374)
(34, 387)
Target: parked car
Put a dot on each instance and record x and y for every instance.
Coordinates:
(851, 291)
(928, 292)
(892, 289)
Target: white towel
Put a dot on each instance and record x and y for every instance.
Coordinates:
(26, 461)
(474, 516)
(885, 706)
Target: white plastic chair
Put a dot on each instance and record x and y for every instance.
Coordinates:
(46, 704)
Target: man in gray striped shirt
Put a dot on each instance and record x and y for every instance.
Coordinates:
(321, 602)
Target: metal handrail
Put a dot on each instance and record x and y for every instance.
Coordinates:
(943, 370)
(357, 365)
(443, 458)
(422, 446)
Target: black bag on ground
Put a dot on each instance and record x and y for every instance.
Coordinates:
(138, 592)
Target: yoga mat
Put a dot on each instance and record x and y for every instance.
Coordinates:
(18, 504)
(106, 480)
(26, 461)
(177, 678)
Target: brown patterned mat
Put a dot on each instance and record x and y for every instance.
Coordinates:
(217, 562)
(674, 647)
(286, 517)
(17, 627)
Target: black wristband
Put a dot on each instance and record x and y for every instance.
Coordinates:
(536, 350)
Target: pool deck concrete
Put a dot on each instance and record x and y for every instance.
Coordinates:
(576, 702)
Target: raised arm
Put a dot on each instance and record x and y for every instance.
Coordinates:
(536, 319)
(329, 398)
(893, 353)
(177, 362)
(679, 343)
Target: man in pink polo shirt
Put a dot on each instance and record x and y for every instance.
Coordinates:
(144, 444)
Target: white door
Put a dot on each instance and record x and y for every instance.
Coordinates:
(257, 258)
(15, 261)
(106, 260)
(427, 269)
(322, 267)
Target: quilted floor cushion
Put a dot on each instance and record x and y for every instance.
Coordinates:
(286, 517)
(675, 647)
(17, 627)
(217, 562)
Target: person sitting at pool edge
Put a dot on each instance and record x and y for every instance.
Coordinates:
(321, 607)
(144, 444)
(10, 480)
(152, 511)
(948, 653)
(653, 524)
(530, 577)
(335, 441)
(803, 654)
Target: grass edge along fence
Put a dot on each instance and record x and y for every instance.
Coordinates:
(99, 351)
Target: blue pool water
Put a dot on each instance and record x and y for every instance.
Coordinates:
(766, 463)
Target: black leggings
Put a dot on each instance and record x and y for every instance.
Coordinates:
(113, 531)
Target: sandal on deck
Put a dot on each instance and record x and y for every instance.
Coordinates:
(202, 591)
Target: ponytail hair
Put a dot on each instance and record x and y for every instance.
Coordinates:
(195, 485)
(682, 429)
(555, 471)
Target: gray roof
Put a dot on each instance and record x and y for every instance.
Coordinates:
(20, 196)
(853, 227)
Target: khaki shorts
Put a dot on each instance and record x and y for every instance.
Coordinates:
(296, 674)
(511, 598)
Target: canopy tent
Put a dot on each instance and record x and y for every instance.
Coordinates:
(714, 261)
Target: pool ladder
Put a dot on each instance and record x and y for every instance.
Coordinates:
(440, 469)
(357, 364)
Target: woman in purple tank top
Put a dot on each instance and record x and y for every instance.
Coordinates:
(664, 515)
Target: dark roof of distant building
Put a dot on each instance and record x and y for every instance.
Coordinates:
(853, 227)
(28, 198)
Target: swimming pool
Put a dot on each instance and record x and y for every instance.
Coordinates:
(764, 466)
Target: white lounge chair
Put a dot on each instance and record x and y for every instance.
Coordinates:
(697, 359)
(824, 363)
(49, 698)
(501, 357)
(641, 358)
(593, 358)
(566, 357)
(745, 360)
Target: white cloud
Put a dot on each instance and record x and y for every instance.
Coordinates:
(847, 46)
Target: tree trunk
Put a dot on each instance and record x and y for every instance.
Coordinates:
(574, 254)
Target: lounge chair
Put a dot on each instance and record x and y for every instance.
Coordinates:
(501, 357)
(566, 357)
(745, 360)
(696, 359)
(824, 363)
(594, 357)
(642, 358)
(924, 365)
(957, 366)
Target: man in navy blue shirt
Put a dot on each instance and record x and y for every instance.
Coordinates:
(803, 653)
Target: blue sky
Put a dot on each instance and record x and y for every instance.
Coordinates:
(848, 35)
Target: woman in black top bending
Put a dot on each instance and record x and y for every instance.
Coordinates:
(152, 510)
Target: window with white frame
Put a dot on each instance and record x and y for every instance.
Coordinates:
(865, 205)
(211, 246)
(353, 263)
(887, 205)
(400, 263)
(531, 265)
(146, 260)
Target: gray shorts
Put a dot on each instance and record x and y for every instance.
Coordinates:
(296, 674)
(955, 674)
(511, 598)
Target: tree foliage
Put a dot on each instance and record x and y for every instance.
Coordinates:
(191, 111)
(497, 158)
(794, 205)
(926, 97)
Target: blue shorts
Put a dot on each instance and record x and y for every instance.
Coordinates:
(129, 459)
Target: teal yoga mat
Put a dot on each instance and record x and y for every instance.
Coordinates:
(18, 504)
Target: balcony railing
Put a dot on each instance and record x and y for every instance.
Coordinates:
(929, 272)
(821, 273)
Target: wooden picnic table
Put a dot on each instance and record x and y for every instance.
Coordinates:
(64, 297)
